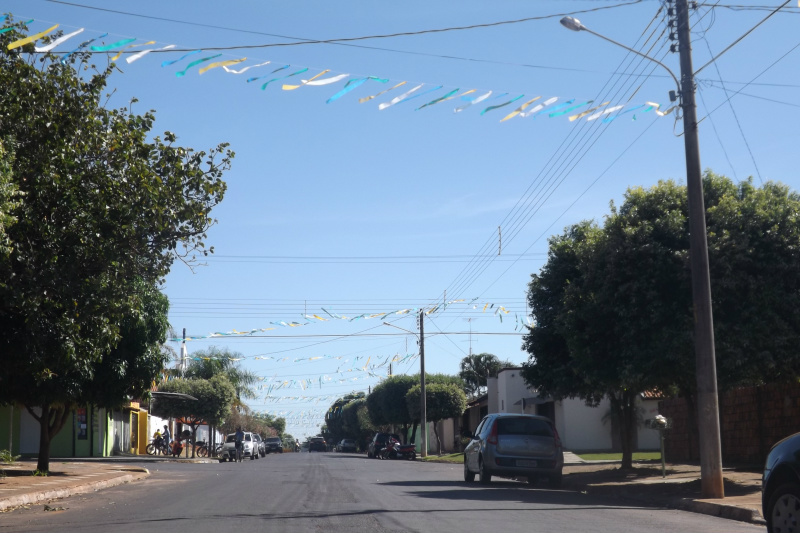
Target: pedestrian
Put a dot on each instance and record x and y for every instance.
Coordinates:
(239, 438)
(166, 436)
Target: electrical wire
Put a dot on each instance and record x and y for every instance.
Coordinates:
(748, 32)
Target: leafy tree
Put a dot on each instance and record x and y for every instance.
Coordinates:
(8, 201)
(214, 398)
(613, 310)
(100, 205)
(357, 422)
(212, 361)
(477, 368)
(334, 418)
(442, 401)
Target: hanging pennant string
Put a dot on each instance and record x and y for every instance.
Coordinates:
(493, 107)
(183, 72)
(221, 64)
(30, 38)
(107, 47)
(15, 26)
(263, 87)
(287, 87)
(80, 47)
(58, 41)
(270, 74)
(609, 119)
(148, 43)
(143, 53)
(168, 63)
(604, 112)
(520, 109)
(539, 107)
(352, 84)
(472, 101)
(245, 69)
(368, 98)
(420, 94)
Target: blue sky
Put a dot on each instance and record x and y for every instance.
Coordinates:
(342, 209)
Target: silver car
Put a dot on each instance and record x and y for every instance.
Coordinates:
(514, 445)
(249, 447)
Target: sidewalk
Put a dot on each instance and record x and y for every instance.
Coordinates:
(680, 489)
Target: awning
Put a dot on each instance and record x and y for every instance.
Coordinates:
(533, 400)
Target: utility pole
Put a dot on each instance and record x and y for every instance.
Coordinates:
(423, 398)
(707, 398)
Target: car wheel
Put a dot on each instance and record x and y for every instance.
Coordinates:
(469, 477)
(369, 454)
(486, 477)
(554, 480)
(783, 509)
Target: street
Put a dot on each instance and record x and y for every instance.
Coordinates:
(303, 492)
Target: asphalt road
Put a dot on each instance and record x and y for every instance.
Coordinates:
(332, 493)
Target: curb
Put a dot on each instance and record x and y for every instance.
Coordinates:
(730, 512)
(135, 474)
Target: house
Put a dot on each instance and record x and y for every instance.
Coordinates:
(581, 427)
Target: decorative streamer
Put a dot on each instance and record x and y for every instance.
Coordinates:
(182, 73)
(284, 77)
(520, 109)
(420, 94)
(573, 118)
(472, 101)
(631, 110)
(58, 41)
(368, 98)
(270, 74)
(398, 99)
(567, 110)
(83, 45)
(493, 107)
(539, 107)
(29, 39)
(107, 47)
(352, 84)
(245, 69)
(148, 43)
(143, 53)
(440, 99)
(221, 64)
(287, 87)
(168, 63)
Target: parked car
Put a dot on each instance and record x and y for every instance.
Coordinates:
(262, 448)
(249, 447)
(347, 445)
(317, 444)
(514, 445)
(378, 442)
(780, 485)
(274, 444)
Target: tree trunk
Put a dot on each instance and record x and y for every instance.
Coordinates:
(438, 440)
(628, 427)
(414, 432)
(50, 421)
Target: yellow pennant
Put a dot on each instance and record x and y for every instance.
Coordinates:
(222, 64)
(130, 46)
(30, 38)
(520, 109)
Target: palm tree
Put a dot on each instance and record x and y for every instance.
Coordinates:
(212, 361)
(476, 368)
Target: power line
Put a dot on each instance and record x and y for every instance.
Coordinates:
(304, 41)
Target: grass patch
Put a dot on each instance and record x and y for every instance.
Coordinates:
(637, 456)
(456, 458)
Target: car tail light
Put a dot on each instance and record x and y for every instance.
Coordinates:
(492, 439)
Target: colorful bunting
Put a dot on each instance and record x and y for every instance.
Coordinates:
(30, 38)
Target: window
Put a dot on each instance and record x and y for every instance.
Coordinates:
(532, 427)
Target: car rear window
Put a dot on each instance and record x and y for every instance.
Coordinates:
(524, 426)
(231, 438)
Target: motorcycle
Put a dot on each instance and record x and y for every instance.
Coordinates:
(395, 450)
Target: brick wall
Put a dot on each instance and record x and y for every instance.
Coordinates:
(752, 419)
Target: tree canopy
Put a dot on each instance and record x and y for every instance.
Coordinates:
(97, 206)
(442, 401)
(612, 306)
(475, 369)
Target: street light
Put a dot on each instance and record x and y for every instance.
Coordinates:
(707, 398)
(423, 415)
(574, 24)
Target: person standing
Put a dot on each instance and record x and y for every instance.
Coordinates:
(239, 444)
(166, 435)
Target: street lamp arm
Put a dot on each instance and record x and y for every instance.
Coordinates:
(575, 25)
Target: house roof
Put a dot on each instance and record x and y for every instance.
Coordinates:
(653, 394)
(479, 400)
